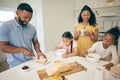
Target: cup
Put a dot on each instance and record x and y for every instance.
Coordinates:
(99, 72)
(82, 32)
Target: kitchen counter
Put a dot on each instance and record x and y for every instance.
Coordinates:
(90, 74)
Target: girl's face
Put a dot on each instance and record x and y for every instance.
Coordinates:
(85, 15)
(108, 40)
(66, 41)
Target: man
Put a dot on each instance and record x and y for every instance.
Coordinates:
(18, 37)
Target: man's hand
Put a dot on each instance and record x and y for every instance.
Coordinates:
(40, 54)
(27, 52)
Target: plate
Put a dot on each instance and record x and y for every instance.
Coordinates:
(42, 63)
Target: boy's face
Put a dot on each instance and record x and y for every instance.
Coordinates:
(108, 40)
(66, 41)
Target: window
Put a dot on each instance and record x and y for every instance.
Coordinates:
(6, 15)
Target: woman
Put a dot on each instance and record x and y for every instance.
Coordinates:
(86, 23)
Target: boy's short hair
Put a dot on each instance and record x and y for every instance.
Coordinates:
(25, 6)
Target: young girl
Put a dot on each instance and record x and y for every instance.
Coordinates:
(86, 23)
(68, 44)
(106, 48)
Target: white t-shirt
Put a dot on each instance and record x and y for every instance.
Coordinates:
(99, 49)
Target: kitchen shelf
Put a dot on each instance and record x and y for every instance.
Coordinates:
(107, 6)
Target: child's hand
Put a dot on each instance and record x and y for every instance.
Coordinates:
(84, 53)
(56, 47)
(108, 66)
(65, 55)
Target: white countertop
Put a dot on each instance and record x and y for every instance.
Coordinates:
(17, 74)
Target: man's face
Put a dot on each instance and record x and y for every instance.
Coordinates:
(24, 17)
(21, 22)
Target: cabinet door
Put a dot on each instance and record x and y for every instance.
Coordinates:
(119, 47)
(101, 25)
(119, 23)
(114, 23)
(107, 25)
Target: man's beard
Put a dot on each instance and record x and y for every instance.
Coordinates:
(21, 22)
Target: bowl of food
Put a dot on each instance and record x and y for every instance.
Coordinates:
(92, 57)
(60, 52)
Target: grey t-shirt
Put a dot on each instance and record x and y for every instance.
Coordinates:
(17, 36)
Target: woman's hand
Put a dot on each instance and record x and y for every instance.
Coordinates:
(108, 66)
(87, 33)
(76, 35)
(94, 36)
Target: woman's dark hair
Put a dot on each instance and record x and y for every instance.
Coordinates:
(92, 20)
(25, 6)
(115, 32)
(67, 35)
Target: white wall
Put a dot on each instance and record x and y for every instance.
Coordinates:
(9, 3)
(37, 19)
(58, 17)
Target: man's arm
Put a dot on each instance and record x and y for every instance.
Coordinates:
(37, 48)
(5, 47)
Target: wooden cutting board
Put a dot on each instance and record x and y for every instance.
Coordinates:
(76, 67)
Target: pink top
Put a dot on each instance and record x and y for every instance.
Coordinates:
(68, 48)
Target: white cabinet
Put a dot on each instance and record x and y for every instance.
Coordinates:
(119, 47)
(104, 26)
